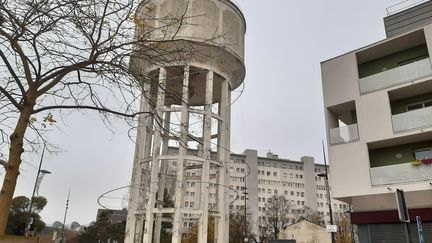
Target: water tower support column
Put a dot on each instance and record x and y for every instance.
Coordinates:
(148, 226)
(183, 142)
(224, 158)
(205, 181)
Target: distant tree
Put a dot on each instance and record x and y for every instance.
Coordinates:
(310, 215)
(237, 219)
(192, 234)
(277, 217)
(18, 214)
(103, 231)
(344, 233)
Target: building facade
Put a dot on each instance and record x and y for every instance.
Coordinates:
(267, 176)
(253, 180)
(378, 107)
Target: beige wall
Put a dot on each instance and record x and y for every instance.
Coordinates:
(306, 232)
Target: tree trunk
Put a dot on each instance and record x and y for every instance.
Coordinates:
(12, 169)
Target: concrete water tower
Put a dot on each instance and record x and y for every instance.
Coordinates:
(188, 93)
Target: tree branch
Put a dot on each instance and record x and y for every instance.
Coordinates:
(11, 99)
(3, 163)
(12, 72)
(86, 107)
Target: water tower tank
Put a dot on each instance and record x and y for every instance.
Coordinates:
(192, 59)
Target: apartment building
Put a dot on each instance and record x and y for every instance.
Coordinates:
(254, 179)
(378, 107)
(266, 176)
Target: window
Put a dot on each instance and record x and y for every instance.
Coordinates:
(292, 193)
(268, 173)
(301, 176)
(418, 105)
(269, 191)
(275, 191)
(298, 194)
(425, 153)
(191, 204)
(274, 173)
(302, 194)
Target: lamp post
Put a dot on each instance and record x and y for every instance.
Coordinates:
(246, 239)
(40, 174)
(325, 175)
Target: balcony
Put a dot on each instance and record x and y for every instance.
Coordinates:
(395, 76)
(400, 173)
(345, 134)
(414, 119)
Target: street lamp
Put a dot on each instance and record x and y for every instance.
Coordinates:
(325, 176)
(39, 177)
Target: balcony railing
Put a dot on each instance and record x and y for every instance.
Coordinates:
(344, 134)
(412, 119)
(395, 76)
(400, 173)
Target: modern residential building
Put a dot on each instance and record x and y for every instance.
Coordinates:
(264, 177)
(378, 107)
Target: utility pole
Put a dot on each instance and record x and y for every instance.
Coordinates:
(64, 219)
(246, 239)
(328, 191)
(29, 220)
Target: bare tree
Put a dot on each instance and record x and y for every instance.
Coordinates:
(344, 233)
(310, 215)
(277, 217)
(71, 55)
(240, 226)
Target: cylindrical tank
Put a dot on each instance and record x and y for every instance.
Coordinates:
(189, 56)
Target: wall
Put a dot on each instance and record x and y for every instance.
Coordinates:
(310, 183)
(408, 19)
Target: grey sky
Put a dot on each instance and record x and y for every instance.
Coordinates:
(281, 108)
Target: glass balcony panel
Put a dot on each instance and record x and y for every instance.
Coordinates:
(412, 119)
(395, 76)
(400, 173)
(344, 134)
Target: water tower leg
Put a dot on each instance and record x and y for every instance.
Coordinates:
(205, 177)
(148, 227)
(163, 175)
(183, 142)
(223, 149)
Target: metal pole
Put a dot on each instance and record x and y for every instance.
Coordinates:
(34, 190)
(64, 218)
(245, 211)
(328, 192)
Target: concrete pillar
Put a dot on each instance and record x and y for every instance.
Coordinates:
(224, 158)
(183, 142)
(154, 180)
(205, 176)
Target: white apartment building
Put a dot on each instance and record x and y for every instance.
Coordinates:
(378, 106)
(264, 177)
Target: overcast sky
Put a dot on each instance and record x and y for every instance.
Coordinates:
(281, 108)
